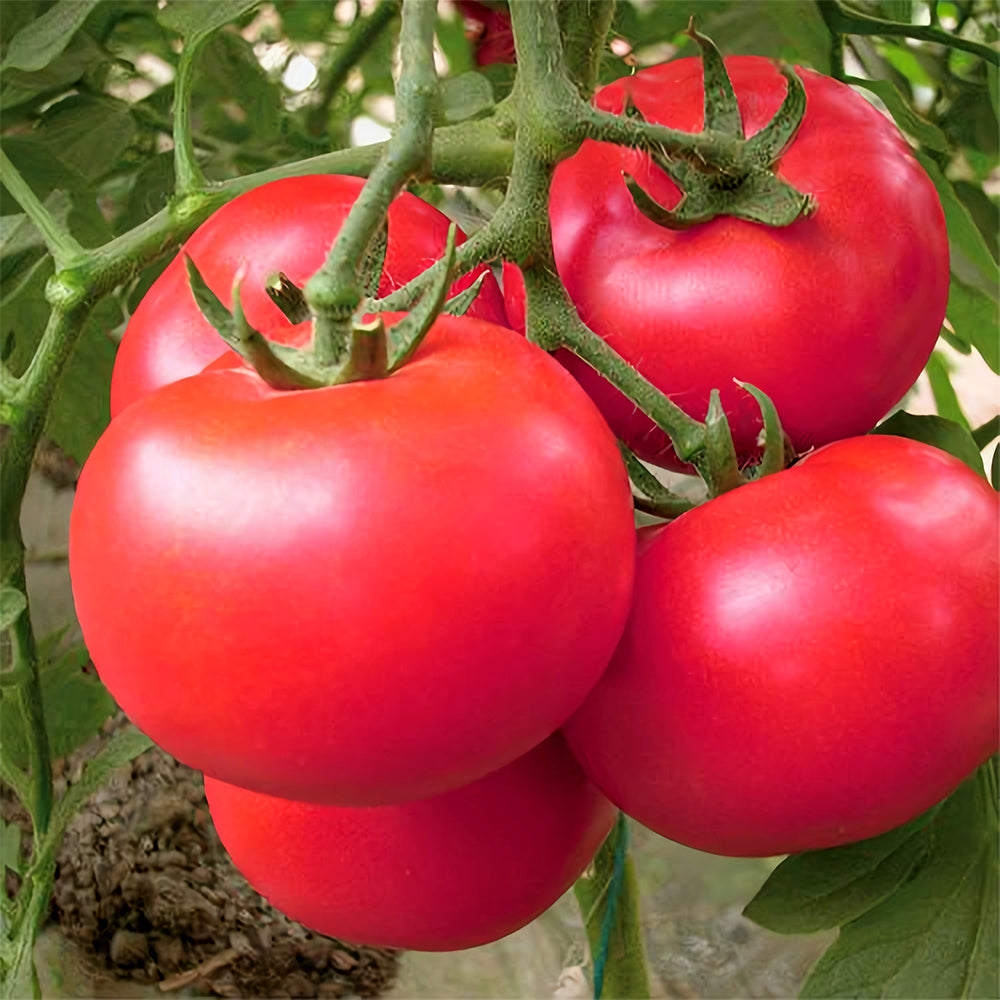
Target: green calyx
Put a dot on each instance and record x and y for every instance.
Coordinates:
(738, 178)
(370, 351)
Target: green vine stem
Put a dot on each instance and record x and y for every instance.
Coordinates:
(555, 319)
(585, 27)
(335, 291)
(844, 21)
(187, 171)
(363, 33)
(608, 897)
(63, 247)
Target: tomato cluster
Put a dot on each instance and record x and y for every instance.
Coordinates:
(403, 624)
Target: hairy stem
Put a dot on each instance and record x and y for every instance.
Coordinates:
(187, 171)
(845, 21)
(363, 33)
(61, 244)
(335, 291)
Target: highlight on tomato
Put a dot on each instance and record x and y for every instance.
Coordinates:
(810, 659)
(285, 227)
(440, 874)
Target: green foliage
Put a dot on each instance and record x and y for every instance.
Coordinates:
(938, 431)
(12, 605)
(945, 399)
(10, 848)
(974, 296)
(75, 702)
(917, 907)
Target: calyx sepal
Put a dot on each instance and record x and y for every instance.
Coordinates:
(739, 180)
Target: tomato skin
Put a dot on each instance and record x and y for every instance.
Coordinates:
(439, 874)
(489, 33)
(811, 659)
(286, 225)
(364, 593)
(834, 317)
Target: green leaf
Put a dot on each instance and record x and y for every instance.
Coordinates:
(907, 62)
(608, 897)
(821, 889)
(465, 96)
(945, 398)
(193, 18)
(88, 133)
(974, 297)
(897, 10)
(10, 847)
(987, 432)
(40, 41)
(925, 132)
(81, 407)
(74, 700)
(12, 606)
(18, 87)
(120, 750)
(936, 431)
(975, 316)
(937, 936)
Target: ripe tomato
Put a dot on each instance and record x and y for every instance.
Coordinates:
(444, 873)
(811, 659)
(834, 317)
(364, 593)
(288, 226)
(489, 33)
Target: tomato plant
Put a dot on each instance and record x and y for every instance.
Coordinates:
(830, 316)
(810, 659)
(448, 872)
(340, 594)
(371, 575)
(286, 226)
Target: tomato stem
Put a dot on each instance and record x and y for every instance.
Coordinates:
(335, 291)
(609, 902)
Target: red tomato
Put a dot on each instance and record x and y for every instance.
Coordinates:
(289, 226)
(448, 872)
(811, 659)
(364, 593)
(489, 33)
(833, 316)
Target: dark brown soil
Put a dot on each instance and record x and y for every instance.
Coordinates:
(146, 889)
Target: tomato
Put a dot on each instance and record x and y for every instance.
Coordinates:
(449, 872)
(489, 33)
(285, 226)
(833, 316)
(811, 659)
(358, 594)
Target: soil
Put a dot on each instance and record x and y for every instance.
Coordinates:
(146, 890)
